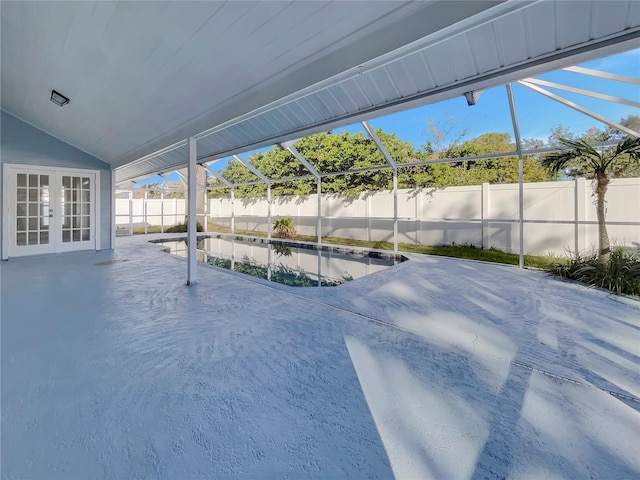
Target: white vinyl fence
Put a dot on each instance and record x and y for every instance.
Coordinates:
(558, 216)
(141, 212)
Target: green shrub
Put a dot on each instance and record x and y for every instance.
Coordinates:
(182, 228)
(284, 228)
(621, 275)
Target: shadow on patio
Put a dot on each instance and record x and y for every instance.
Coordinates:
(114, 368)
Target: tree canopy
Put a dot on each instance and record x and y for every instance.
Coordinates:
(338, 152)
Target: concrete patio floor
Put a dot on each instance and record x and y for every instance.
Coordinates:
(435, 368)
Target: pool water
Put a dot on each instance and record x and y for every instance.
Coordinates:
(289, 263)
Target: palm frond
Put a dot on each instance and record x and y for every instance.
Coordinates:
(557, 161)
(581, 146)
(631, 146)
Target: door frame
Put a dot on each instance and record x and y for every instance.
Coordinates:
(7, 200)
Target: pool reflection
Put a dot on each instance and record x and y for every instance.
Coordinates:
(289, 263)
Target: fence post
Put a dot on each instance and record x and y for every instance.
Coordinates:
(485, 215)
(367, 213)
(580, 214)
(130, 213)
(297, 214)
(146, 231)
(161, 212)
(251, 215)
(418, 212)
(206, 211)
(233, 212)
(175, 211)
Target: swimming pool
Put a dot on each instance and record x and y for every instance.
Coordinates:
(290, 263)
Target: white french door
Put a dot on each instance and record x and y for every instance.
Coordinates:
(48, 210)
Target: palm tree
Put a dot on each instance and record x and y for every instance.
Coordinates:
(586, 160)
(284, 228)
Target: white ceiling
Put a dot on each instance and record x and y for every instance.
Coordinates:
(137, 71)
(145, 75)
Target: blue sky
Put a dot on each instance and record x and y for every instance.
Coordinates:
(537, 115)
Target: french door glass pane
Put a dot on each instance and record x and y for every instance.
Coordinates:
(76, 195)
(37, 207)
(32, 217)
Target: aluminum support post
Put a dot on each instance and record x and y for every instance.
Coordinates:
(269, 210)
(266, 180)
(289, 146)
(113, 209)
(516, 132)
(233, 201)
(192, 276)
(372, 134)
(319, 219)
(395, 210)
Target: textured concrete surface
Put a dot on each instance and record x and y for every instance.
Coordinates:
(435, 368)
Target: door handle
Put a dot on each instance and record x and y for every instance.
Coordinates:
(50, 213)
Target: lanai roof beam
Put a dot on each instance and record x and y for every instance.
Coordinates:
(582, 91)
(253, 169)
(577, 107)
